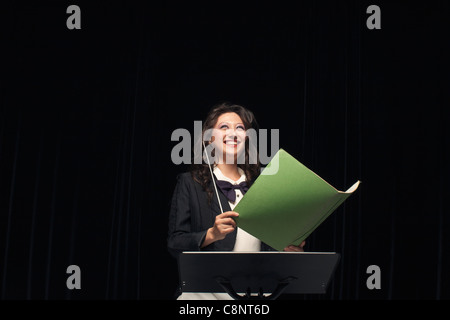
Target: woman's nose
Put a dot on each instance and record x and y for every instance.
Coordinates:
(231, 132)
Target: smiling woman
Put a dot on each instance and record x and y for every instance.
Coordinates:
(198, 221)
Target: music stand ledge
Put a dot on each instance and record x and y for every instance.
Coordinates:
(266, 273)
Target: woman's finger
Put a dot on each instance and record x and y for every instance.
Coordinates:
(225, 229)
(293, 248)
(228, 214)
(227, 221)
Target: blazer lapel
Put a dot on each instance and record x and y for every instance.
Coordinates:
(226, 244)
(223, 201)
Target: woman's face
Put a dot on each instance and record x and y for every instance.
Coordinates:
(228, 137)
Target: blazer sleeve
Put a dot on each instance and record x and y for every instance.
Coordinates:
(181, 235)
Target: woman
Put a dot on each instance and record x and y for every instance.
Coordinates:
(195, 221)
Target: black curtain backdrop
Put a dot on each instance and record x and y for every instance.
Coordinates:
(86, 118)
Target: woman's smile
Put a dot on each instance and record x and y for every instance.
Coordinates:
(231, 143)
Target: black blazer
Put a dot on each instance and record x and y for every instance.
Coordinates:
(191, 216)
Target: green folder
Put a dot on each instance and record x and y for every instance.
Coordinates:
(287, 202)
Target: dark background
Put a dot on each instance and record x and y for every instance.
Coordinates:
(86, 118)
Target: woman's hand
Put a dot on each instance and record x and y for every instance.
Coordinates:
(293, 248)
(223, 225)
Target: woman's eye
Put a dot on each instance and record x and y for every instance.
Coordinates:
(226, 127)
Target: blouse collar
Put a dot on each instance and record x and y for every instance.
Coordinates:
(220, 176)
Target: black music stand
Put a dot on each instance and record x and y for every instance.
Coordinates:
(267, 272)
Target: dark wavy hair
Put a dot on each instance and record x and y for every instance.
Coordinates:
(200, 172)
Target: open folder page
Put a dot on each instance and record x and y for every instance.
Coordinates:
(287, 202)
